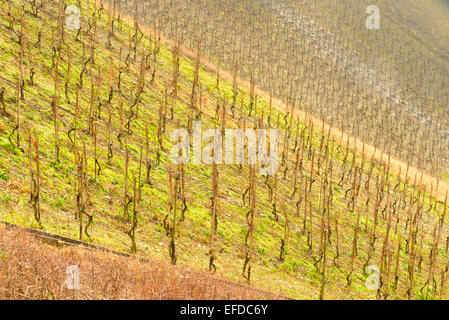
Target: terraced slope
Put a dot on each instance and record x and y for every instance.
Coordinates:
(90, 98)
(388, 87)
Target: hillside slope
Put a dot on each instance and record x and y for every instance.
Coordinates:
(389, 86)
(92, 98)
(31, 269)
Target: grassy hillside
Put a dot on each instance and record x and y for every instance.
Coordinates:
(388, 86)
(90, 98)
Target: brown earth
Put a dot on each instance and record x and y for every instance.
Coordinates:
(33, 269)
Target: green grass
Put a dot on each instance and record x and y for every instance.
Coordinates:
(295, 277)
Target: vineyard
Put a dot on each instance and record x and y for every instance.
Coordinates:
(319, 56)
(86, 118)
